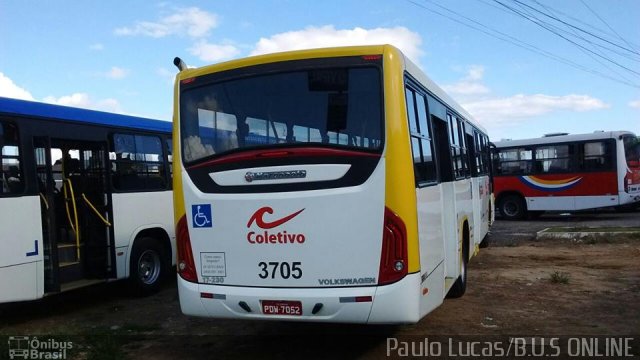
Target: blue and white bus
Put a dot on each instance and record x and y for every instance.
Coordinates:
(85, 197)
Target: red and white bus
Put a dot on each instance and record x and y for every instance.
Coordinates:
(561, 172)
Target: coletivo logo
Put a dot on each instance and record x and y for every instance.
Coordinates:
(259, 214)
(266, 237)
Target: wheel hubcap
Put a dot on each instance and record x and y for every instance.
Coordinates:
(149, 267)
(510, 208)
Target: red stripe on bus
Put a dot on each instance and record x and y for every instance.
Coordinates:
(591, 184)
(281, 153)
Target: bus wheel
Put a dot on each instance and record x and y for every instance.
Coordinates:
(147, 267)
(512, 207)
(460, 286)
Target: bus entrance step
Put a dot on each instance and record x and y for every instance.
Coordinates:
(70, 271)
(79, 284)
(68, 252)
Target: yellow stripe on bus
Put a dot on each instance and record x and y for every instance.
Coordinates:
(283, 56)
(178, 195)
(400, 194)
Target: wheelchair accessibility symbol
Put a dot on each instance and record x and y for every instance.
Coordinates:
(201, 216)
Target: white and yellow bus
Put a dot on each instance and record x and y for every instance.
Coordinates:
(336, 185)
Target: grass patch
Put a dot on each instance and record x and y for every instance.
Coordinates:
(106, 343)
(558, 277)
(591, 240)
(105, 346)
(133, 328)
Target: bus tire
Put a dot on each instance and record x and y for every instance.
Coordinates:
(512, 207)
(460, 286)
(148, 266)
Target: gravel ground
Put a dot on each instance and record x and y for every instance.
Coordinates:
(510, 233)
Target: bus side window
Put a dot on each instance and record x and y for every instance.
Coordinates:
(516, 161)
(413, 134)
(423, 161)
(139, 163)
(428, 164)
(553, 158)
(595, 156)
(11, 179)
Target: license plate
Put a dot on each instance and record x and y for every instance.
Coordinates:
(277, 307)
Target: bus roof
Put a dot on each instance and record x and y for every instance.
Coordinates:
(66, 113)
(554, 139)
(334, 52)
(282, 56)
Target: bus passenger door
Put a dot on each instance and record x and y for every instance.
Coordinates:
(479, 210)
(47, 189)
(448, 196)
(76, 212)
(95, 202)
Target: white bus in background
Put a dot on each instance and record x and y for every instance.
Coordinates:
(337, 185)
(85, 197)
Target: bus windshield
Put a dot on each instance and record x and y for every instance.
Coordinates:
(340, 107)
(632, 151)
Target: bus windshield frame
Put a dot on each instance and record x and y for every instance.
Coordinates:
(335, 103)
(632, 151)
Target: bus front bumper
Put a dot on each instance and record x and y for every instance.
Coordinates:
(394, 303)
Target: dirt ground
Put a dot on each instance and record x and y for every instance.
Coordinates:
(517, 287)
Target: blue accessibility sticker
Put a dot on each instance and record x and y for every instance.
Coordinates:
(201, 215)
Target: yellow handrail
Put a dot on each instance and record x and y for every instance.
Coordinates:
(76, 229)
(66, 205)
(46, 203)
(106, 222)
